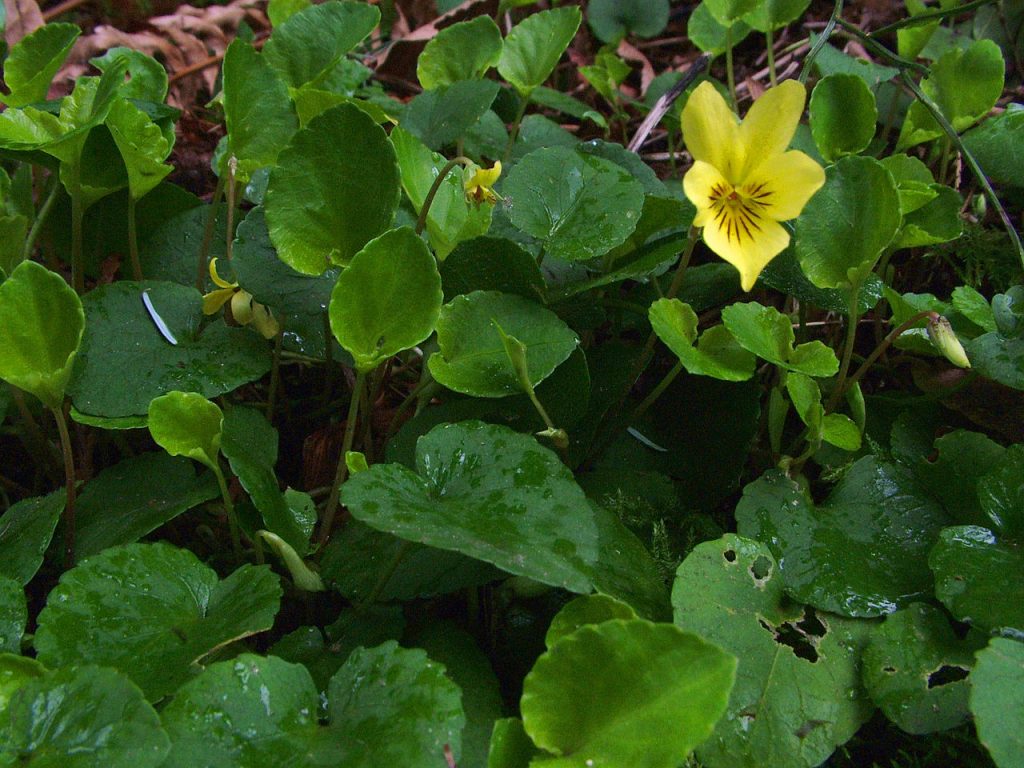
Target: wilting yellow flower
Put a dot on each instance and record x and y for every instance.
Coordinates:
(479, 184)
(743, 181)
(244, 308)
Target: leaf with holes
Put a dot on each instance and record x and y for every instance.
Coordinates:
(916, 668)
(862, 551)
(797, 694)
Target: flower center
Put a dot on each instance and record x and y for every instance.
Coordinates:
(739, 210)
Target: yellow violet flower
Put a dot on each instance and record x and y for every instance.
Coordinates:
(479, 184)
(244, 308)
(743, 181)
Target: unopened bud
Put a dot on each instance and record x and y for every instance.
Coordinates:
(945, 340)
(304, 577)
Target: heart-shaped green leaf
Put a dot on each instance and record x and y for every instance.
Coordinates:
(121, 379)
(843, 115)
(33, 62)
(187, 424)
(654, 719)
(499, 496)
(462, 51)
(534, 46)
(135, 496)
(249, 443)
(579, 206)
(612, 20)
(26, 529)
(797, 694)
(81, 717)
(769, 334)
(442, 116)
(41, 327)
(473, 360)
(142, 145)
(820, 548)
(386, 706)
(258, 112)
(716, 354)
(996, 683)
(964, 83)
(334, 188)
(451, 218)
(709, 35)
(152, 611)
(309, 45)
(915, 669)
(772, 14)
(845, 226)
(387, 300)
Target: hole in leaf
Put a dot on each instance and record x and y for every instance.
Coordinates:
(889, 670)
(761, 568)
(789, 634)
(947, 674)
(729, 555)
(811, 624)
(805, 730)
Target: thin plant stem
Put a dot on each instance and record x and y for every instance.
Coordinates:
(342, 473)
(882, 346)
(229, 510)
(232, 194)
(41, 216)
(328, 357)
(924, 18)
(275, 373)
(969, 159)
(769, 38)
(211, 223)
(133, 240)
(826, 33)
(657, 392)
(851, 337)
(423, 385)
(513, 132)
(385, 576)
(77, 259)
(69, 485)
(421, 222)
(729, 71)
(34, 439)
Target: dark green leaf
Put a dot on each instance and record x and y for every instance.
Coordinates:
(996, 685)
(25, 532)
(462, 51)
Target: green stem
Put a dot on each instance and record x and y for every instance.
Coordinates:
(423, 385)
(513, 132)
(421, 222)
(851, 337)
(229, 510)
(77, 259)
(385, 576)
(275, 373)
(969, 158)
(133, 241)
(44, 212)
(656, 392)
(770, 49)
(350, 432)
(232, 194)
(826, 33)
(873, 46)
(69, 485)
(883, 345)
(924, 18)
(729, 72)
(211, 223)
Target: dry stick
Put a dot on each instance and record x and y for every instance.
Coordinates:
(61, 8)
(666, 100)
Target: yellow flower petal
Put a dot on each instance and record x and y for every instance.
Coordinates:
(748, 254)
(478, 186)
(790, 179)
(264, 321)
(219, 281)
(699, 184)
(241, 307)
(770, 124)
(214, 300)
(711, 132)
